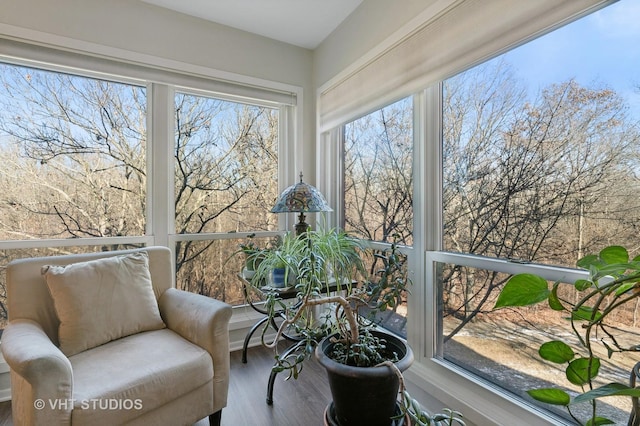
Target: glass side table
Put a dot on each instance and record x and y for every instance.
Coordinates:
(286, 293)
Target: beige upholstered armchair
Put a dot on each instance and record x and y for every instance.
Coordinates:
(106, 339)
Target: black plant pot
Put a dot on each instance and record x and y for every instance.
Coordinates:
(364, 395)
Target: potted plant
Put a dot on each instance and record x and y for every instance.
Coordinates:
(613, 281)
(363, 364)
(277, 265)
(253, 255)
(279, 274)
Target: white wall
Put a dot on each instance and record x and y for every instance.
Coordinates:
(139, 27)
(371, 24)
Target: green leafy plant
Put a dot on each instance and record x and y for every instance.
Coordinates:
(367, 352)
(613, 281)
(318, 258)
(414, 413)
(313, 260)
(253, 254)
(323, 256)
(419, 417)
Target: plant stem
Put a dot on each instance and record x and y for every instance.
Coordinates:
(307, 302)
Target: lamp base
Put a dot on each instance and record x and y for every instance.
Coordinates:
(301, 226)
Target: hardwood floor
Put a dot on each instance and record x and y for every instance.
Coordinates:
(298, 402)
(5, 413)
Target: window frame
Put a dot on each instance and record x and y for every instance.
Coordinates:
(450, 382)
(439, 381)
(161, 85)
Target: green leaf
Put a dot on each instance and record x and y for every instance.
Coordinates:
(523, 290)
(554, 300)
(598, 421)
(614, 254)
(612, 389)
(624, 288)
(615, 270)
(585, 313)
(550, 396)
(583, 284)
(588, 261)
(556, 351)
(580, 371)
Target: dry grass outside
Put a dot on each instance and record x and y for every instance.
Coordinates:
(505, 352)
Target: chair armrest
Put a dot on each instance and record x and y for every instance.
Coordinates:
(205, 322)
(31, 355)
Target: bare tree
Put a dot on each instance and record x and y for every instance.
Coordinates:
(76, 148)
(74, 151)
(226, 180)
(379, 175)
(518, 173)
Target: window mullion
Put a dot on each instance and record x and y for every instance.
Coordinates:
(161, 125)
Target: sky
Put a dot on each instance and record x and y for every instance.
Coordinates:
(601, 49)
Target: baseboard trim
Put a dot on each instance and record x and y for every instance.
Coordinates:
(5, 395)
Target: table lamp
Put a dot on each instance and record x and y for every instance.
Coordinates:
(301, 198)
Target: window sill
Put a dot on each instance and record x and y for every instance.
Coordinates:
(479, 402)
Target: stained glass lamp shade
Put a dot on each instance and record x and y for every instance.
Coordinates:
(301, 198)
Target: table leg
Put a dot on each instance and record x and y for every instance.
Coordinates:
(272, 376)
(247, 338)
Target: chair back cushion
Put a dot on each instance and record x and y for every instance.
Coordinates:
(102, 300)
(28, 296)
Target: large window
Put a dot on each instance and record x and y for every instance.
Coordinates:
(378, 187)
(378, 174)
(73, 151)
(525, 162)
(226, 180)
(226, 156)
(540, 165)
(81, 174)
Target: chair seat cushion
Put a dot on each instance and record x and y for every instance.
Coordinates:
(125, 378)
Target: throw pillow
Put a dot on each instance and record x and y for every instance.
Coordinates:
(102, 300)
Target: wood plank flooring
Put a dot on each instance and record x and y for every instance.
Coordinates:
(298, 402)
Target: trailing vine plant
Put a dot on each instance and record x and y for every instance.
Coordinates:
(614, 280)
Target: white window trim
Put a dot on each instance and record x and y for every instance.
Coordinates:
(160, 133)
(26, 44)
(330, 173)
(448, 384)
(162, 78)
(481, 401)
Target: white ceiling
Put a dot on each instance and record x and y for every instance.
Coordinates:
(303, 23)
